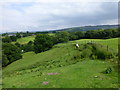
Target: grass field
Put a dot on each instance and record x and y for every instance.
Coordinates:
(25, 40)
(32, 71)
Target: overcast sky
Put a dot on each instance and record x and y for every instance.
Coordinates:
(39, 16)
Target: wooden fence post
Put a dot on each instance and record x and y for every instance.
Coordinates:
(107, 47)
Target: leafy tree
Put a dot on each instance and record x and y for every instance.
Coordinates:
(12, 52)
(79, 35)
(30, 42)
(13, 38)
(92, 34)
(18, 44)
(26, 34)
(73, 36)
(62, 37)
(18, 35)
(28, 47)
(5, 61)
(42, 43)
(101, 34)
(89, 34)
(115, 33)
(108, 33)
(5, 34)
(7, 39)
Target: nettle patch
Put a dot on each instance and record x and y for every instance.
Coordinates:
(94, 51)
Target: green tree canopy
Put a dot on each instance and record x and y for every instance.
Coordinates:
(62, 37)
(12, 52)
(42, 43)
(7, 39)
(5, 61)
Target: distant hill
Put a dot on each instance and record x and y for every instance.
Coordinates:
(86, 28)
(74, 29)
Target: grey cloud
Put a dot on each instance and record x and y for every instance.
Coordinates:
(47, 16)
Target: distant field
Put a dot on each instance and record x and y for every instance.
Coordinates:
(33, 69)
(25, 40)
(51, 34)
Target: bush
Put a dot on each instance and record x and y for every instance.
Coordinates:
(93, 56)
(101, 53)
(81, 48)
(94, 51)
(77, 56)
(108, 70)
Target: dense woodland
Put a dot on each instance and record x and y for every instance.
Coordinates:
(43, 41)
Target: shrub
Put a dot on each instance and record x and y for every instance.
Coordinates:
(101, 53)
(94, 51)
(108, 70)
(93, 56)
(81, 48)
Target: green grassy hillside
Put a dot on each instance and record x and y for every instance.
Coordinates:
(84, 74)
(33, 70)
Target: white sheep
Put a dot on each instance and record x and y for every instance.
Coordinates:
(77, 46)
(22, 50)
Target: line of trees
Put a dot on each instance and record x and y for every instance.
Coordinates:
(14, 36)
(92, 34)
(44, 42)
(102, 34)
(10, 37)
